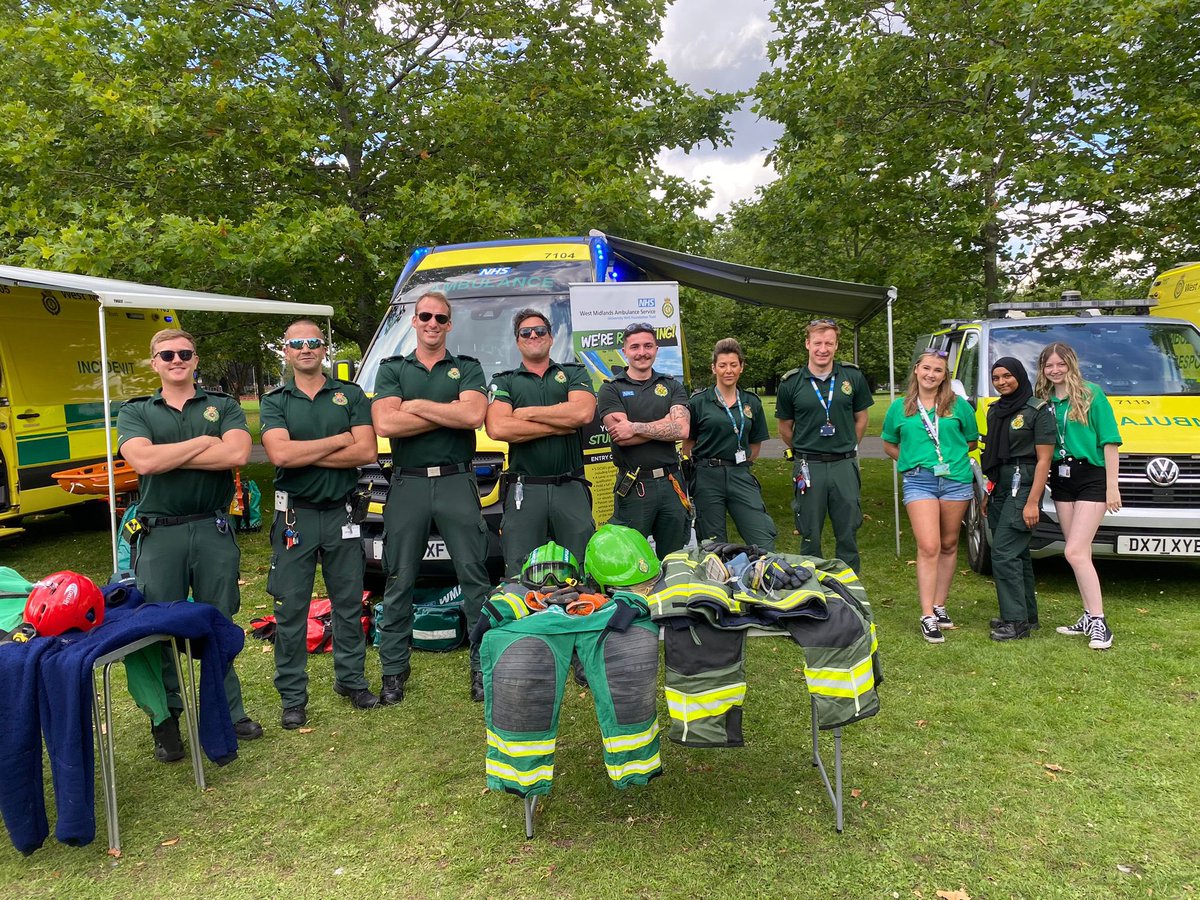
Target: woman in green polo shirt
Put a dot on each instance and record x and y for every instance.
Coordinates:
(930, 433)
(1083, 476)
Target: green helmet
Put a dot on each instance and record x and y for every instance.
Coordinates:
(549, 562)
(617, 556)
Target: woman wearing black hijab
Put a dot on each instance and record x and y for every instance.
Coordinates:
(1016, 459)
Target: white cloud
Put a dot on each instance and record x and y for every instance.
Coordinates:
(721, 46)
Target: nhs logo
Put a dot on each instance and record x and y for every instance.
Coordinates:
(646, 302)
(495, 270)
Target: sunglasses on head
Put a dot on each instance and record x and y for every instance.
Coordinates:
(944, 354)
(641, 328)
(169, 355)
(440, 318)
(305, 343)
(534, 331)
(822, 322)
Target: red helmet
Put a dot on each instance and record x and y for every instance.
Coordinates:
(63, 601)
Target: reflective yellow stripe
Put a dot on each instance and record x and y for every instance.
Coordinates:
(834, 682)
(686, 707)
(520, 748)
(525, 779)
(625, 742)
(636, 767)
(517, 604)
(688, 589)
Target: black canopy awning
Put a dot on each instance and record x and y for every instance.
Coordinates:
(859, 303)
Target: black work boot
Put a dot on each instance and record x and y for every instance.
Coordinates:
(476, 685)
(1010, 631)
(168, 745)
(360, 698)
(293, 717)
(392, 690)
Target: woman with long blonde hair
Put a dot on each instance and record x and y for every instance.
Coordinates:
(930, 433)
(1083, 476)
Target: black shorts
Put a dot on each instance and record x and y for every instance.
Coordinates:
(1087, 482)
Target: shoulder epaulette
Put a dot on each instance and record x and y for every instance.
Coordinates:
(142, 399)
(789, 373)
(848, 365)
(218, 394)
(502, 374)
(698, 391)
(1036, 402)
(468, 358)
(388, 359)
(274, 390)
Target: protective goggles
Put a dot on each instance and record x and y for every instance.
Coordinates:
(440, 318)
(550, 573)
(533, 331)
(169, 355)
(305, 343)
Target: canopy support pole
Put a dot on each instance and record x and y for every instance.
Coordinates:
(891, 299)
(108, 442)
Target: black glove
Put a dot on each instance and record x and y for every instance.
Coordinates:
(780, 575)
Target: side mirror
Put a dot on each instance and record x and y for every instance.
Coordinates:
(343, 370)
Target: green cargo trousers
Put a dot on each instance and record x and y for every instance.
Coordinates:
(736, 490)
(1012, 567)
(653, 508)
(834, 492)
(451, 504)
(290, 582)
(558, 512)
(168, 561)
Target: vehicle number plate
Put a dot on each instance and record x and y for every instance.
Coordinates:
(436, 550)
(1157, 545)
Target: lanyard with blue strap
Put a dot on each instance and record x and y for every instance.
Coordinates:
(739, 455)
(827, 430)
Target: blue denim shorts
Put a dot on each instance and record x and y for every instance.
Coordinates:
(921, 484)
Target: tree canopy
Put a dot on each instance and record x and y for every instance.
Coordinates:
(301, 149)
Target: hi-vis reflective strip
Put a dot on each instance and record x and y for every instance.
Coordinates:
(520, 748)
(525, 779)
(834, 682)
(688, 707)
(791, 601)
(846, 576)
(689, 589)
(636, 767)
(623, 743)
(520, 610)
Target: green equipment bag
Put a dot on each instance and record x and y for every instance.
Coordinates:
(439, 620)
(14, 591)
(251, 517)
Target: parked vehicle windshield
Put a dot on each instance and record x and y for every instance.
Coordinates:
(1125, 357)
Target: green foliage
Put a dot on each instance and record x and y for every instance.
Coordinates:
(300, 150)
(965, 152)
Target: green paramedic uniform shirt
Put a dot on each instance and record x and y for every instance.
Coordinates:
(181, 492)
(1032, 426)
(336, 408)
(404, 377)
(1086, 441)
(799, 402)
(556, 454)
(715, 428)
(955, 432)
(642, 401)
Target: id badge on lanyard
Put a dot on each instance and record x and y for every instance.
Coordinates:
(1064, 461)
(932, 428)
(827, 430)
(739, 455)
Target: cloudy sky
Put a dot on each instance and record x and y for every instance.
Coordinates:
(722, 46)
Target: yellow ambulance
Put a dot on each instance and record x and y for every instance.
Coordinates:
(1149, 367)
(1176, 293)
(51, 400)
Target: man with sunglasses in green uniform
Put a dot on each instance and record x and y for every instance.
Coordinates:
(429, 404)
(822, 410)
(538, 408)
(317, 431)
(184, 443)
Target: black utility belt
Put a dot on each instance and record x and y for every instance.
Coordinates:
(825, 457)
(1020, 461)
(649, 474)
(166, 521)
(319, 507)
(514, 477)
(713, 462)
(434, 471)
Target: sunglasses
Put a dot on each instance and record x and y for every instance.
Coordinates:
(169, 355)
(440, 318)
(641, 328)
(822, 322)
(533, 331)
(944, 354)
(305, 343)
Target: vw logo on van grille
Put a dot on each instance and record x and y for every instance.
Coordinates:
(1162, 471)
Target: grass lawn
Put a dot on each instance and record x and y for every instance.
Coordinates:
(1035, 769)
